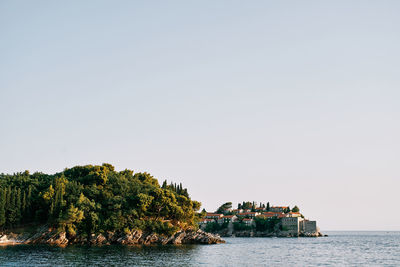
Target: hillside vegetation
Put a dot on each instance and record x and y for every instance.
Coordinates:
(94, 199)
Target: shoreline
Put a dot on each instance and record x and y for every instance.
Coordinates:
(50, 236)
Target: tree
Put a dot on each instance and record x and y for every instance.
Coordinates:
(23, 207)
(287, 210)
(12, 211)
(94, 199)
(295, 209)
(246, 205)
(144, 202)
(253, 206)
(224, 207)
(29, 211)
(2, 207)
(72, 217)
(18, 206)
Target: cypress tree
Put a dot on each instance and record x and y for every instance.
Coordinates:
(62, 202)
(12, 216)
(23, 207)
(18, 206)
(8, 199)
(56, 205)
(2, 207)
(180, 188)
(29, 213)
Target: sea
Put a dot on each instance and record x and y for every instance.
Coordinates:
(337, 249)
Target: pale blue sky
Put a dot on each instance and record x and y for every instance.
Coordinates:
(292, 102)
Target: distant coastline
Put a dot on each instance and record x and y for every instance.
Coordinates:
(263, 220)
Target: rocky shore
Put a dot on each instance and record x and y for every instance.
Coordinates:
(47, 235)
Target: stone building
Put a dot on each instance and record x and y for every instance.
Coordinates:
(214, 216)
(248, 214)
(291, 225)
(278, 208)
(308, 227)
(227, 219)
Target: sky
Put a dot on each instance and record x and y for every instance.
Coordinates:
(291, 102)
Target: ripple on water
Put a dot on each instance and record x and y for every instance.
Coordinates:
(339, 249)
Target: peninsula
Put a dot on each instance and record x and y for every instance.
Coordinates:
(97, 205)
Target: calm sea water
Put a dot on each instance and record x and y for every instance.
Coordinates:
(339, 249)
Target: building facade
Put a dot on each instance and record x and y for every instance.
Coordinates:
(309, 227)
(278, 208)
(291, 225)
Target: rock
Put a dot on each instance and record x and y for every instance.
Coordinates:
(48, 235)
(98, 240)
(201, 237)
(58, 239)
(177, 238)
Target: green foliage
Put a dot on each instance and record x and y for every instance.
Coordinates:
(240, 226)
(2, 206)
(287, 210)
(266, 224)
(247, 205)
(295, 209)
(90, 199)
(224, 207)
(213, 227)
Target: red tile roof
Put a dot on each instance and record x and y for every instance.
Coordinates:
(213, 214)
(273, 214)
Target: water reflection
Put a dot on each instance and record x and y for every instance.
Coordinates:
(350, 249)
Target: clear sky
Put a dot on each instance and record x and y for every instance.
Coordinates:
(291, 102)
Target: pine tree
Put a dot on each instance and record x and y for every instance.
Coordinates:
(268, 207)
